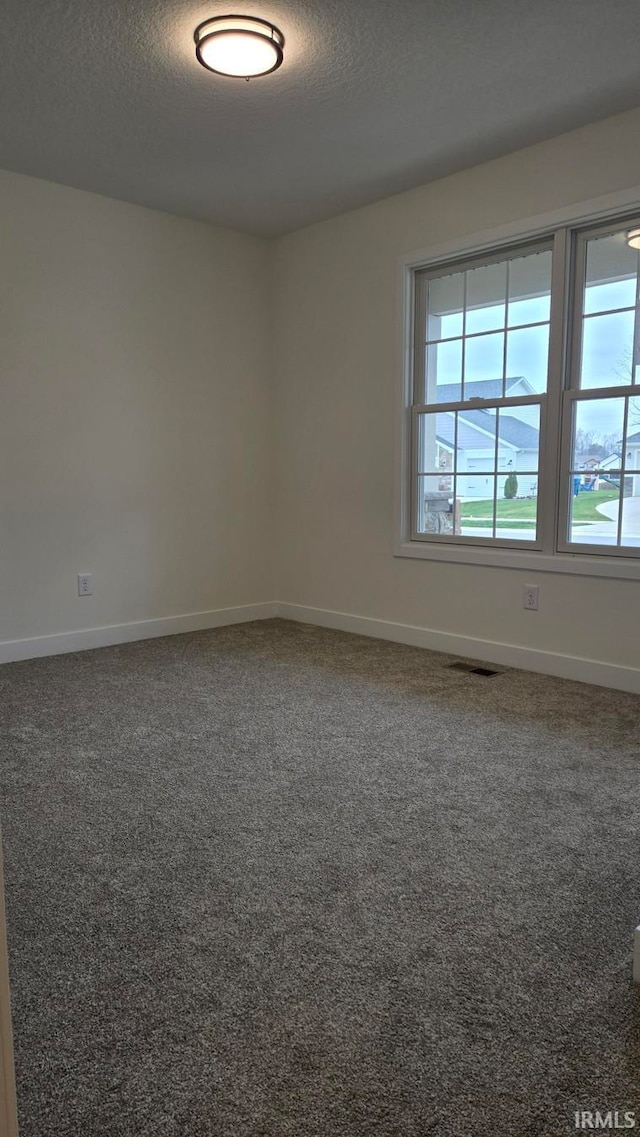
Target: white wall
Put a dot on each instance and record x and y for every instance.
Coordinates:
(137, 421)
(135, 437)
(336, 389)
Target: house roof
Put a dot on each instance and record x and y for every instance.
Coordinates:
(596, 463)
(476, 431)
(512, 430)
(634, 438)
(483, 389)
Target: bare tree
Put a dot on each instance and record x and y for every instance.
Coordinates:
(584, 440)
(624, 371)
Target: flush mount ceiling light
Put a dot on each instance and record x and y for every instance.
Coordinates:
(633, 238)
(239, 46)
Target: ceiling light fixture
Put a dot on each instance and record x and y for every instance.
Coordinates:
(633, 238)
(239, 46)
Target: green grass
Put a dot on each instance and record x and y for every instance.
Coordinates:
(518, 510)
(482, 523)
(584, 505)
(522, 513)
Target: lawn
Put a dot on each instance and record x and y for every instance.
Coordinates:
(584, 506)
(522, 511)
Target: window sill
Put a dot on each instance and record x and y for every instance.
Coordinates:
(577, 564)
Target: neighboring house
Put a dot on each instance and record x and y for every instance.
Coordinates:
(517, 442)
(588, 461)
(633, 462)
(596, 469)
(491, 389)
(611, 462)
(614, 461)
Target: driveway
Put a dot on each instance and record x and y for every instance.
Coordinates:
(631, 512)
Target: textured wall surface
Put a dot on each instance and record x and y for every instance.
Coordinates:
(134, 432)
(337, 384)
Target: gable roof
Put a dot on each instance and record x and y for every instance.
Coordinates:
(469, 436)
(517, 433)
(476, 431)
(635, 438)
(482, 389)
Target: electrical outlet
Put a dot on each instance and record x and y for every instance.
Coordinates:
(530, 597)
(85, 587)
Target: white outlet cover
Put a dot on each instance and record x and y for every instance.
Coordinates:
(85, 587)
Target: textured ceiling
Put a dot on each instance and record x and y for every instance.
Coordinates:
(374, 96)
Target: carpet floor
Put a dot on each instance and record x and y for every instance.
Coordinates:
(279, 881)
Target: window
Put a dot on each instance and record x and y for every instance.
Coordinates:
(525, 407)
(602, 405)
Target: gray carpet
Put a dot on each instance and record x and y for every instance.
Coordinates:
(273, 880)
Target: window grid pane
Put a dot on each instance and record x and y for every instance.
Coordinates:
(611, 274)
(603, 488)
(607, 349)
(487, 329)
(604, 477)
(526, 274)
(478, 472)
(610, 316)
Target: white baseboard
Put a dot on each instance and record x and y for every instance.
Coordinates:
(509, 655)
(12, 650)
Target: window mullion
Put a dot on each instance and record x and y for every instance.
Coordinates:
(549, 479)
(414, 495)
(495, 470)
(419, 393)
(464, 335)
(483, 404)
(576, 267)
(636, 329)
(623, 466)
(455, 461)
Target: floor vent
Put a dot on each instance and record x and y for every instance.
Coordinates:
(469, 667)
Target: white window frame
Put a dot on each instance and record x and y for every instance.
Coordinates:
(574, 393)
(556, 245)
(546, 558)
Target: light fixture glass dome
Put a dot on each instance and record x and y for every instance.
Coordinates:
(239, 46)
(633, 238)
